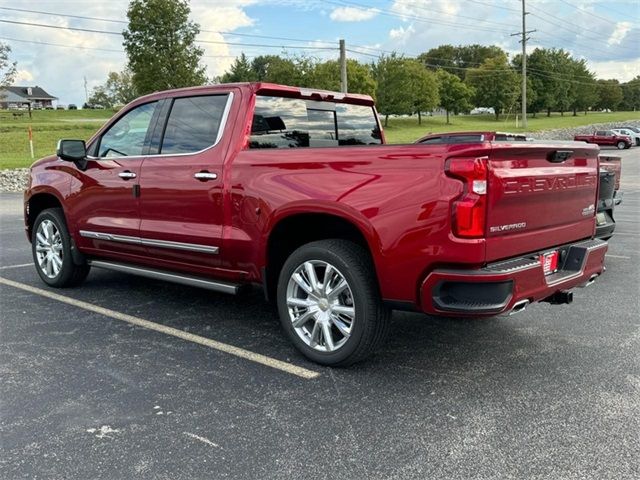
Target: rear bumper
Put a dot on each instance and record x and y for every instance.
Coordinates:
(499, 287)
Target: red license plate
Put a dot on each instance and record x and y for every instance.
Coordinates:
(549, 262)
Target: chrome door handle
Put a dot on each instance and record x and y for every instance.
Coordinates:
(204, 176)
(127, 175)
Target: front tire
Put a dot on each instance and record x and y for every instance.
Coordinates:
(329, 303)
(51, 248)
(622, 145)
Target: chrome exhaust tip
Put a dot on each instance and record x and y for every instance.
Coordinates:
(519, 307)
(591, 280)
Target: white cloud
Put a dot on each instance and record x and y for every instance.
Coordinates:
(621, 30)
(401, 34)
(226, 18)
(351, 14)
(623, 70)
(23, 76)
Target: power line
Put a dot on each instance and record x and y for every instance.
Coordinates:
(598, 36)
(590, 13)
(414, 17)
(457, 15)
(495, 6)
(93, 48)
(60, 45)
(58, 27)
(112, 20)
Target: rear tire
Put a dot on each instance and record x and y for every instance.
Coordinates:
(330, 304)
(51, 249)
(621, 145)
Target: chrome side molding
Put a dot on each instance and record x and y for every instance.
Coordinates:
(148, 242)
(183, 279)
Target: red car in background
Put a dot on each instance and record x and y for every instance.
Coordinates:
(606, 137)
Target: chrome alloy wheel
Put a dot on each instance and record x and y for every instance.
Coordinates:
(49, 248)
(321, 312)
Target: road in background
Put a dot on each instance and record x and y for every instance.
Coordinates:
(553, 392)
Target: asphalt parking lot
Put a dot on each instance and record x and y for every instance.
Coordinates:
(88, 391)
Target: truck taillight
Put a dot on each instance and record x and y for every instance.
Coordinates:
(469, 211)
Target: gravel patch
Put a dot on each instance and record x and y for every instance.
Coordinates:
(15, 180)
(569, 133)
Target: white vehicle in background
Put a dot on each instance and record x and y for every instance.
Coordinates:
(483, 111)
(635, 136)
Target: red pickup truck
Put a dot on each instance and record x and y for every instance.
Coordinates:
(230, 185)
(606, 137)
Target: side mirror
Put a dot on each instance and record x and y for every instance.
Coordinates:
(73, 151)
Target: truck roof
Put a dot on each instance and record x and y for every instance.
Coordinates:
(481, 136)
(273, 89)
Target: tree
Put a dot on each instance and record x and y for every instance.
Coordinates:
(288, 71)
(117, 90)
(631, 94)
(240, 71)
(423, 88)
(495, 83)
(326, 75)
(609, 94)
(543, 82)
(455, 96)
(583, 86)
(393, 86)
(7, 67)
(457, 60)
(160, 46)
(562, 68)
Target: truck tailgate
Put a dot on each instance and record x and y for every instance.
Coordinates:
(537, 199)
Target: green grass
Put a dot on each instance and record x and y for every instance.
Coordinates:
(407, 130)
(48, 127)
(51, 125)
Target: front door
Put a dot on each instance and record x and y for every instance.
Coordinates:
(181, 195)
(105, 205)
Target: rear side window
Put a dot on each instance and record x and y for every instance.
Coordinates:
(602, 133)
(280, 122)
(193, 124)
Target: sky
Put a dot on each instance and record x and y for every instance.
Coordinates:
(606, 33)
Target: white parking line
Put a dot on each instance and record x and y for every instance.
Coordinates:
(8, 267)
(207, 342)
(616, 256)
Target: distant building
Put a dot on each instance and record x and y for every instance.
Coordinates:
(21, 97)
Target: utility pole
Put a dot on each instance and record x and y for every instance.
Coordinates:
(523, 40)
(343, 67)
(86, 94)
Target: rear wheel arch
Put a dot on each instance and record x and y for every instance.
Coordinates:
(292, 231)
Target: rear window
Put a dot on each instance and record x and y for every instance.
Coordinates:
(193, 124)
(505, 137)
(280, 122)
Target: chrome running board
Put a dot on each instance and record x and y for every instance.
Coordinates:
(180, 278)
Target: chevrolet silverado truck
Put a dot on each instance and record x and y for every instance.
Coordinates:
(606, 138)
(295, 190)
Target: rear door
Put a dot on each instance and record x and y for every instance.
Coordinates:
(604, 137)
(181, 194)
(539, 199)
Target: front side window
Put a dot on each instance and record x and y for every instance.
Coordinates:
(128, 136)
(280, 122)
(193, 124)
